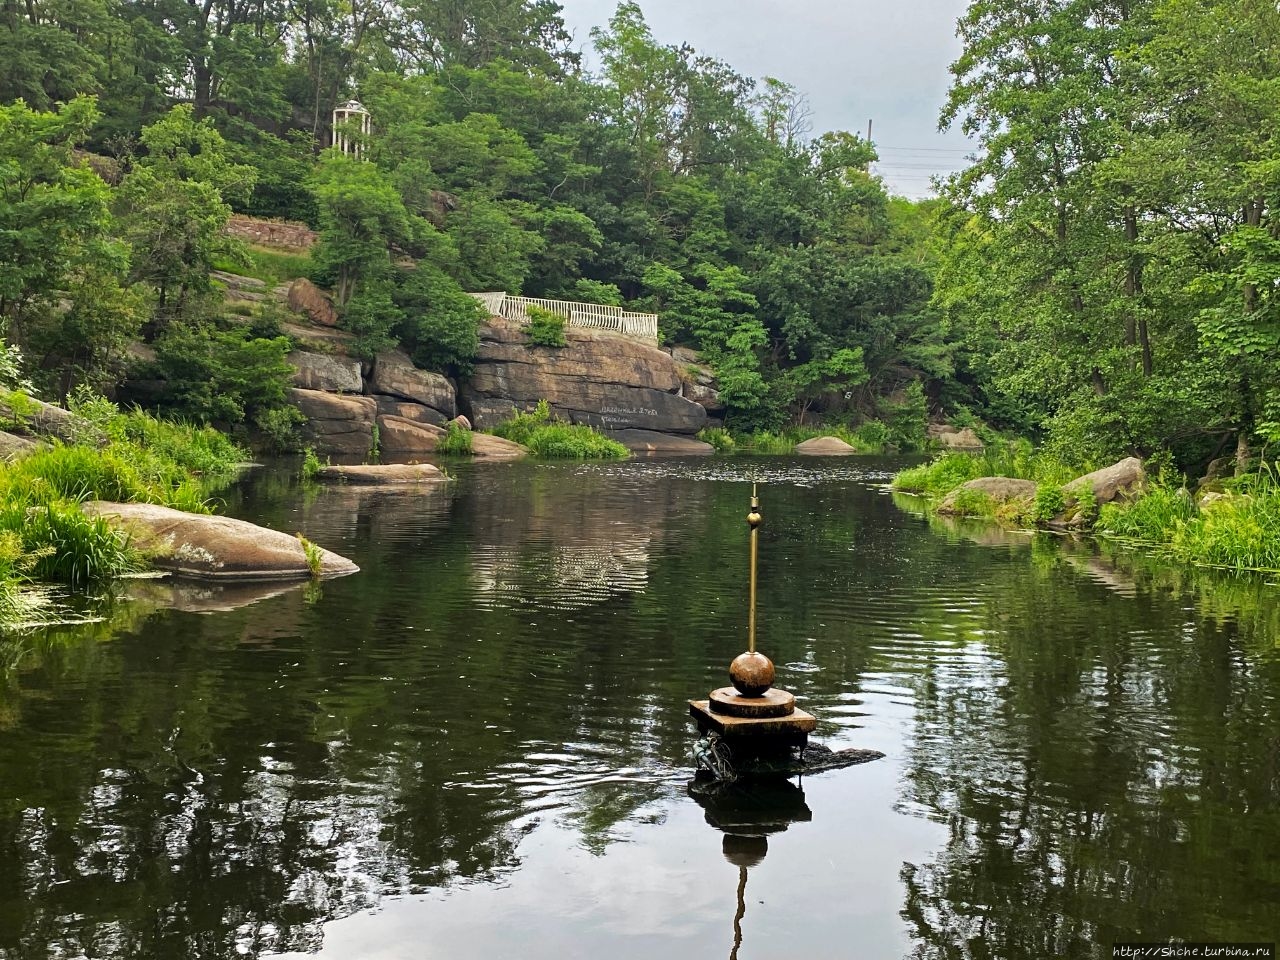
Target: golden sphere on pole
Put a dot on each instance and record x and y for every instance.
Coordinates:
(751, 674)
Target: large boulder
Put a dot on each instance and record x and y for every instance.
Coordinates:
(306, 298)
(666, 444)
(395, 375)
(1118, 481)
(997, 489)
(599, 378)
(824, 447)
(398, 437)
(322, 371)
(382, 474)
(28, 416)
(215, 548)
(12, 447)
(955, 438)
(407, 410)
(336, 424)
(487, 447)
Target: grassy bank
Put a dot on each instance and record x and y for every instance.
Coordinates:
(43, 535)
(546, 437)
(1237, 529)
(1017, 460)
(870, 437)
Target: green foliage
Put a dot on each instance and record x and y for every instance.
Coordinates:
(224, 375)
(1237, 531)
(174, 206)
(1016, 460)
(54, 218)
(264, 263)
(521, 427)
(314, 555)
(1049, 502)
(43, 533)
(440, 323)
(546, 437)
(973, 503)
(456, 441)
(545, 329)
(872, 436)
(718, 437)
(311, 464)
(361, 216)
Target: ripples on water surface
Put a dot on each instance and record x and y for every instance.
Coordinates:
(477, 747)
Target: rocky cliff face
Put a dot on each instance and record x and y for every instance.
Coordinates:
(599, 378)
(628, 388)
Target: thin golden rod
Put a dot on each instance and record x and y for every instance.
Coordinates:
(753, 520)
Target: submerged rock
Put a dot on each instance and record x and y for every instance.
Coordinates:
(648, 441)
(824, 447)
(382, 474)
(215, 548)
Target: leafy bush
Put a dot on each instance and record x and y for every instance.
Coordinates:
(440, 322)
(311, 464)
(974, 503)
(565, 441)
(1049, 502)
(546, 438)
(545, 329)
(720, 438)
(221, 375)
(456, 441)
(872, 436)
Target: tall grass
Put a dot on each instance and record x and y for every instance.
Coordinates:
(273, 266)
(1238, 531)
(44, 536)
(546, 437)
(1017, 460)
(456, 441)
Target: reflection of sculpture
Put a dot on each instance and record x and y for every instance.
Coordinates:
(747, 815)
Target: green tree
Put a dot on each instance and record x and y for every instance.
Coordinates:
(174, 209)
(361, 217)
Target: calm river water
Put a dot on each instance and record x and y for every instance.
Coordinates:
(478, 746)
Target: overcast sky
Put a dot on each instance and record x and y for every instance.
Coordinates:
(883, 60)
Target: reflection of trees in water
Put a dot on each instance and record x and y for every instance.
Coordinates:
(1101, 780)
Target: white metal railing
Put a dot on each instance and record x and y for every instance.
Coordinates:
(599, 316)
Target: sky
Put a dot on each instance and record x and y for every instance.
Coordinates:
(856, 60)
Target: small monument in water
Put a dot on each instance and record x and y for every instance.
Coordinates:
(752, 727)
(752, 720)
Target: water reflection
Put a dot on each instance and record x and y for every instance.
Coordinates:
(478, 745)
(747, 813)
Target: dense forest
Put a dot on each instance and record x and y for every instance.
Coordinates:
(1103, 275)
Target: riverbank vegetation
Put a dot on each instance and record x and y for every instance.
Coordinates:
(546, 437)
(120, 456)
(1232, 523)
